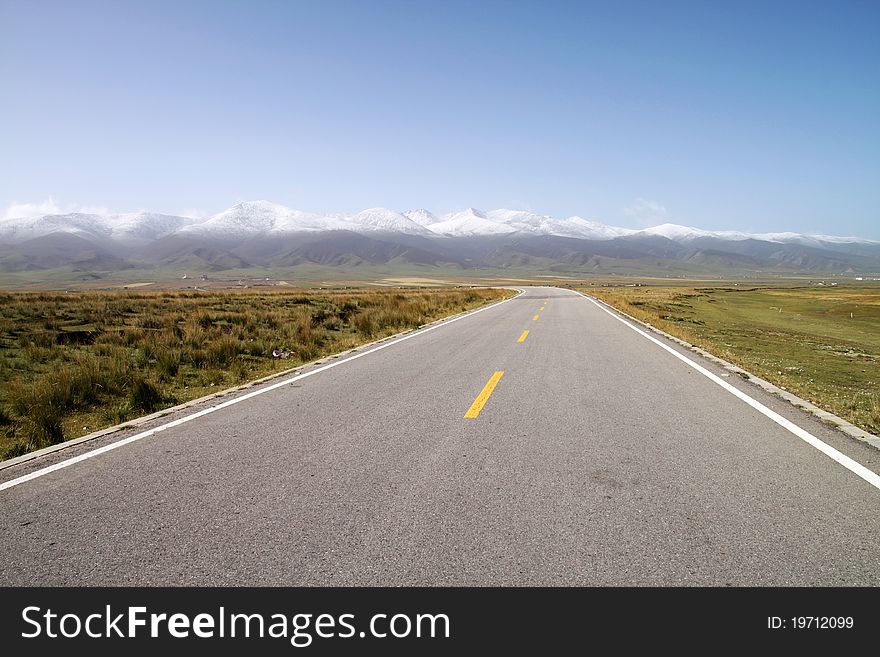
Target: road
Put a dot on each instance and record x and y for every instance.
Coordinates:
(597, 458)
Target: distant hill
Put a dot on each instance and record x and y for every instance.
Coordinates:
(261, 235)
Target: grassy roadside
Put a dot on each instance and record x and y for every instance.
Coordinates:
(72, 363)
(822, 344)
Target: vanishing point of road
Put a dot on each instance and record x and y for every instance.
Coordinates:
(540, 441)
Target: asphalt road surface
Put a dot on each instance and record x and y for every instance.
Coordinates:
(579, 453)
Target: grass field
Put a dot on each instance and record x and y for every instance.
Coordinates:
(821, 343)
(72, 363)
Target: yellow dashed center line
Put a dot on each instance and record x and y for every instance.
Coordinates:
(483, 397)
(523, 337)
(535, 318)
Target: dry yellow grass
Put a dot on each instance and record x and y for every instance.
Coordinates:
(71, 363)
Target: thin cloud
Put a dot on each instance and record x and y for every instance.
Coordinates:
(646, 213)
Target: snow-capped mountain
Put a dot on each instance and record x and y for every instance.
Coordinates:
(789, 238)
(469, 223)
(529, 222)
(121, 227)
(241, 220)
(21, 229)
(262, 233)
(145, 226)
(385, 220)
(593, 230)
(540, 224)
(675, 232)
(256, 218)
(422, 217)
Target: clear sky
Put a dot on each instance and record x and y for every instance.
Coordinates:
(736, 115)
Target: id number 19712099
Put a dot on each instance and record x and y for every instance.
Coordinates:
(810, 623)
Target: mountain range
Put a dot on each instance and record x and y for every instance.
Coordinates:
(260, 235)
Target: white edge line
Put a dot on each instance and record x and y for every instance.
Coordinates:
(231, 402)
(853, 466)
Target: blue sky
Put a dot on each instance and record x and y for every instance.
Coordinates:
(752, 116)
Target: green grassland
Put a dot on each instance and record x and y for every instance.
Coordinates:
(821, 343)
(72, 363)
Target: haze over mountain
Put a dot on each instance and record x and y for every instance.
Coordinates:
(261, 234)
